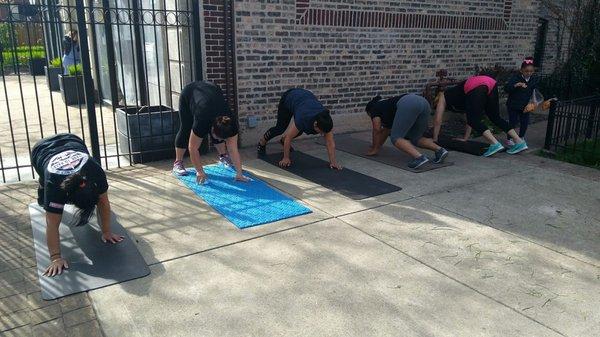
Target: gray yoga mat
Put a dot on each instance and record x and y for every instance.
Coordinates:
(93, 264)
(387, 155)
(346, 182)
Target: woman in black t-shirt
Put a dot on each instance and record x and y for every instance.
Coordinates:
(204, 112)
(68, 175)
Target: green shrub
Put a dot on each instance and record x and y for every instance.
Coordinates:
(586, 154)
(38, 55)
(55, 63)
(75, 69)
(23, 54)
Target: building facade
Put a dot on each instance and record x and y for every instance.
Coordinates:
(348, 51)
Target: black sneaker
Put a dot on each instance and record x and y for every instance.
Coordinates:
(261, 150)
(440, 156)
(291, 147)
(416, 163)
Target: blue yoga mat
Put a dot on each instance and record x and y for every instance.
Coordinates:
(244, 204)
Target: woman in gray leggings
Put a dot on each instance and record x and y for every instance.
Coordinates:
(404, 119)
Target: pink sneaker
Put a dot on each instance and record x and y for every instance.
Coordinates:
(178, 168)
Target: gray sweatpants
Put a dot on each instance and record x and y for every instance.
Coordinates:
(412, 118)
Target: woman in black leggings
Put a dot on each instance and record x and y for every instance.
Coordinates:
(204, 112)
(299, 111)
(481, 99)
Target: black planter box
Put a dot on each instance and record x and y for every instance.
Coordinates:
(71, 88)
(149, 132)
(36, 67)
(52, 77)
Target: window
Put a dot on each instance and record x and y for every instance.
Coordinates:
(540, 43)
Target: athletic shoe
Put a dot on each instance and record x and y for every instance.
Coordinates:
(416, 163)
(518, 148)
(261, 150)
(493, 149)
(225, 160)
(178, 168)
(510, 143)
(440, 155)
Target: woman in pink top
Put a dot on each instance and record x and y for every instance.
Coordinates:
(481, 98)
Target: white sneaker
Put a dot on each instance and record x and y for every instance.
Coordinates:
(178, 168)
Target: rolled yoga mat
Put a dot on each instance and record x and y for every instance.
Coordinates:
(92, 263)
(470, 146)
(244, 204)
(387, 155)
(346, 182)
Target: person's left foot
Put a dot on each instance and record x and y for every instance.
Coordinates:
(520, 147)
(440, 156)
(225, 160)
(179, 169)
(261, 150)
(418, 162)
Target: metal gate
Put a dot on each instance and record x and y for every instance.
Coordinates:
(117, 88)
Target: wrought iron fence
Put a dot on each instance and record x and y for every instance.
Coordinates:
(134, 58)
(573, 131)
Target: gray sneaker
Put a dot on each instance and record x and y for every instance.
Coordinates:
(440, 156)
(225, 160)
(179, 169)
(416, 163)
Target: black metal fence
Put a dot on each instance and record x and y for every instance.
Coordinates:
(133, 58)
(573, 131)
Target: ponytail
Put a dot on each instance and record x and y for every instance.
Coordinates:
(224, 127)
(82, 194)
(371, 104)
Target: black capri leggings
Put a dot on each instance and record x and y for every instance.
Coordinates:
(186, 120)
(284, 117)
(478, 103)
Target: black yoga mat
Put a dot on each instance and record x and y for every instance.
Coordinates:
(346, 182)
(470, 146)
(92, 263)
(387, 155)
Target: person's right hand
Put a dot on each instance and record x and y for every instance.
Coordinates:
(521, 85)
(285, 162)
(201, 177)
(56, 267)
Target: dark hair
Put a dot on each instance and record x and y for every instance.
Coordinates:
(371, 104)
(527, 62)
(82, 194)
(224, 127)
(324, 121)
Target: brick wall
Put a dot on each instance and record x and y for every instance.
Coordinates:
(348, 51)
(218, 50)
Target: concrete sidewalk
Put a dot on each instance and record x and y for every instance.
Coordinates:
(503, 246)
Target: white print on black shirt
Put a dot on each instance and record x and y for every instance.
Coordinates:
(68, 162)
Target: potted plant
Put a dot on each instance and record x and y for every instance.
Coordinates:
(71, 86)
(52, 71)
(147, 133)
(37, 61)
